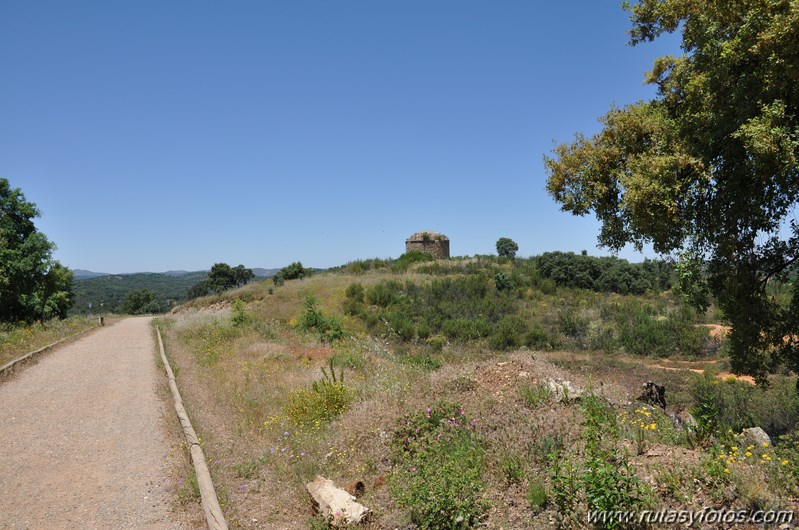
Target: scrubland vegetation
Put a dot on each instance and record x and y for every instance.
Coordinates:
(428, 382)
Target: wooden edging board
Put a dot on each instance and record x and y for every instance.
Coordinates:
(10, 365)
(208, 498)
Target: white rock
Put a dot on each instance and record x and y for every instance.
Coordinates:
(563, 390)
(335, 503)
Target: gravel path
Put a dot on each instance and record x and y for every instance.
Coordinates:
(81, 436)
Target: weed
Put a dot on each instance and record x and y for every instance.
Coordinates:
(248, 469)
(329, 329)
(536, 494)
(533, 395)
(512, 467)
(326, 399)
(188, 491)
(240, 316)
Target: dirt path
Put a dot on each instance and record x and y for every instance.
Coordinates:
(82, 443)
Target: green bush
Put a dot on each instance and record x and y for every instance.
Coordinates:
(466, 329)
(600, 479)
(384, 293)
(326, 399)
(355, 291)
(508, 333)
(502, 282)
(240, 316)
(538, 338)
(328, 328)
(720, 406)
(641, 333)
(406, 260)
(438, 461)
(571, 324)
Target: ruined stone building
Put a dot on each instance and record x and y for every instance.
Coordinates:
(428, 241)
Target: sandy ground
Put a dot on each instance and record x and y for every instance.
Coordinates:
(82, 441)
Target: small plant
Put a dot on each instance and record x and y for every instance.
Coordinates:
(248, 469)
(534, 395)
(328, 328)
(536, 494)
(641, 423)
(326, 399)
(240, 316)
(188, 491)
(512, 467)
(438, 460)
(502, 282)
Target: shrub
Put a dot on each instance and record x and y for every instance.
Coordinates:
(602, 478)
(641, 333)
(502, 282)
(291, 272)
(508, 333)
(326, 399)
(736, 405)
(240, 316)
(328, 328)
(571, 324)
(384, 293)
(406, 260)
(355, 292)
(537, 337)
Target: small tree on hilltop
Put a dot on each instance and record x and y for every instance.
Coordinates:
(506, 247)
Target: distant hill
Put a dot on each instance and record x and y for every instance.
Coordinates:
(105, 293)
(81, 274)
(265, 273)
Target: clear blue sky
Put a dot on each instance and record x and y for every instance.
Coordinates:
(173, 135)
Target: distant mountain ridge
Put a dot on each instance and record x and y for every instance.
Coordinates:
(83, 274)
(100, 292)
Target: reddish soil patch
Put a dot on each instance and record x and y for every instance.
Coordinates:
(310, 353)
(716, 331)
(720, 375)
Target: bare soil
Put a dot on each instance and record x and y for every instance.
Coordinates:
(83, 441)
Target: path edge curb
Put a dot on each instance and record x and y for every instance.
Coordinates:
(210, 503)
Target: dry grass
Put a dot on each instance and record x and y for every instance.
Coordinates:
(20, 340)
(236, 382)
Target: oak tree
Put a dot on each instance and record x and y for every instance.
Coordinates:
(709, 168)
(33, 285)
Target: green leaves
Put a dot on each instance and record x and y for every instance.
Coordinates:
(711, 165)
(32, 284)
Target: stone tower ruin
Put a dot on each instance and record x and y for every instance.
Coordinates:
(428, 241)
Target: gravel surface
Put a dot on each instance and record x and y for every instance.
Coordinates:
(82, 443)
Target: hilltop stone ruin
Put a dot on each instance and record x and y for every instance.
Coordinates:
(428, 241)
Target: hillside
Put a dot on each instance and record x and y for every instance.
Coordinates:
(477, 392)
(104, 294)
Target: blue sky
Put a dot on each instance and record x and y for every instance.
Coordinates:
(173, 135)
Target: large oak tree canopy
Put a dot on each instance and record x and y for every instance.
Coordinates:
(710, 167)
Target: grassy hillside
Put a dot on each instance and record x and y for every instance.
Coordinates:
(106, 293)
(446, 411)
